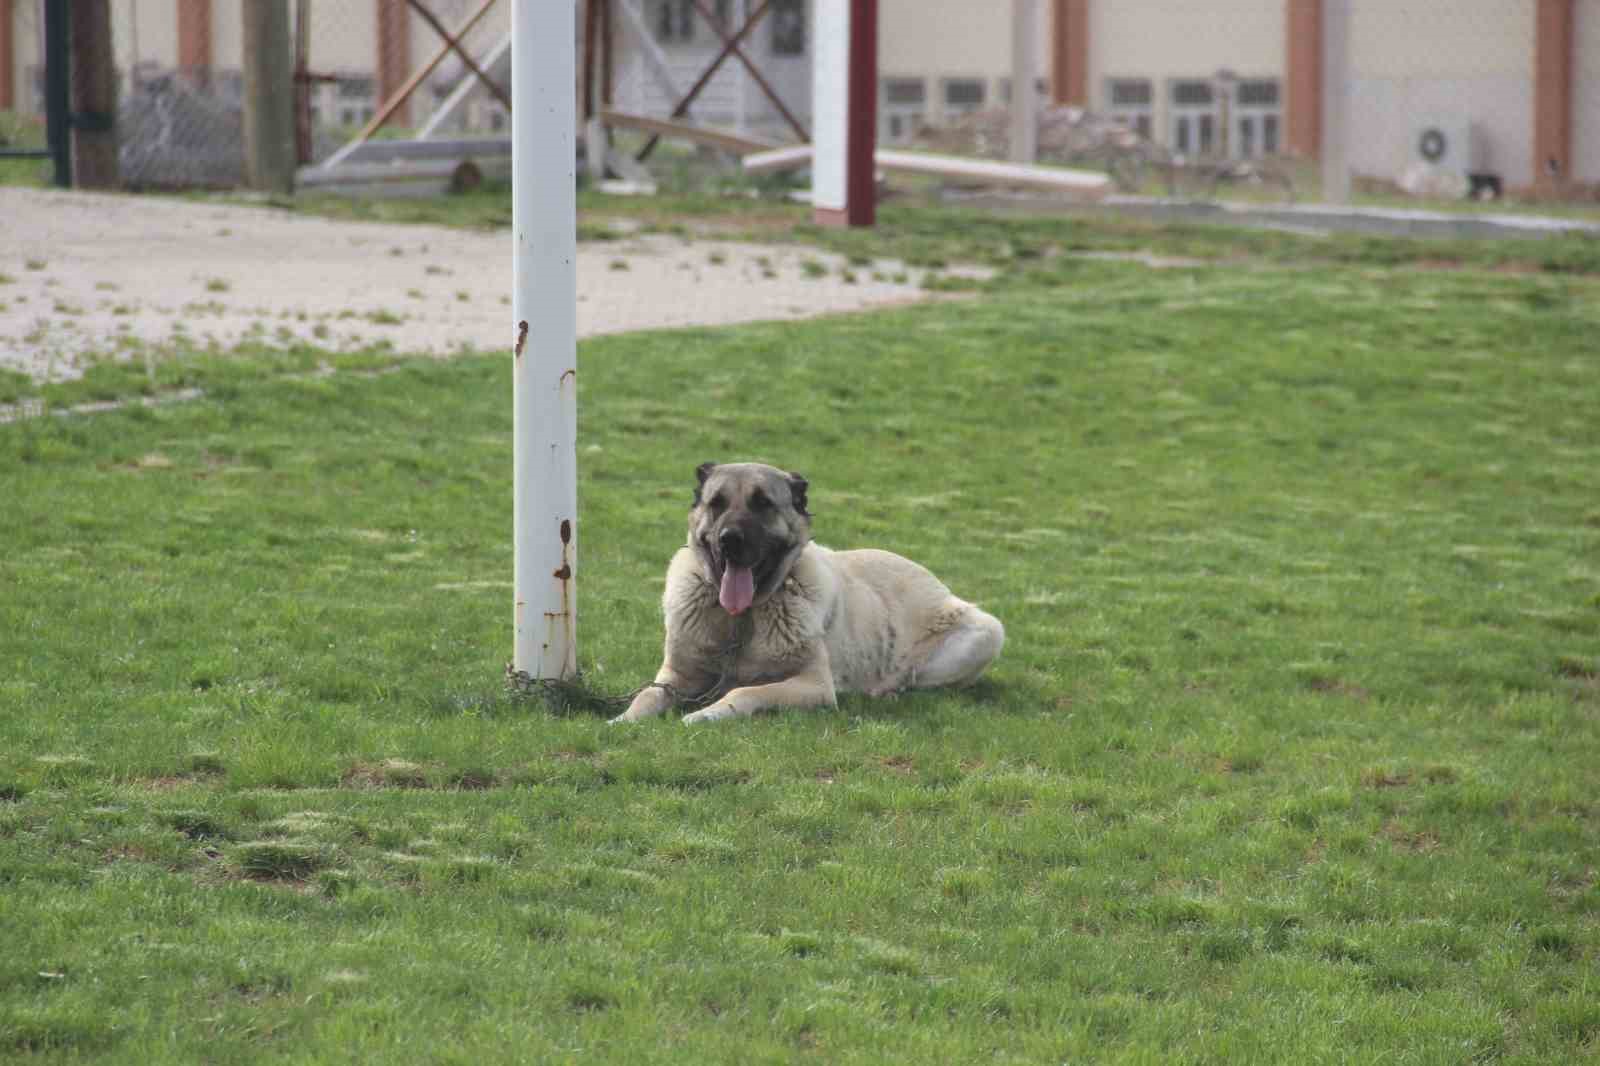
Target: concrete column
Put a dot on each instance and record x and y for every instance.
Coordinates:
(268, 96)
(194, 41)
(1303, 78)
(1336, 78)
(1552, 92)
(1024, 100)
(1069, 53)
(394, 54)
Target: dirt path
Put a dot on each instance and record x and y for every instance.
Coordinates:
(86, 277)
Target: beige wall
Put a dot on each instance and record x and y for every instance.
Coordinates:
(1164, 39)
(1421, 62)
(954, 39)
(145, 33)
(1586, 93)
(25, 38)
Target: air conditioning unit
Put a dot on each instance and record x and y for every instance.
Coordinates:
(1456, 146)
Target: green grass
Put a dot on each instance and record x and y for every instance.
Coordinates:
(17, 131)
(1291, 755)
(1021, 247)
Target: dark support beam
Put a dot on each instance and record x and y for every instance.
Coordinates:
(861, 173)
(8, 57)
(591, 28)
(607, 43)
(58, 88)
(94, 96)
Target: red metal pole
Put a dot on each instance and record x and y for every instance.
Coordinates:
(861, 195)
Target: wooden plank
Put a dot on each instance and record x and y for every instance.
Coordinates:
(738, 144)
(959, 168)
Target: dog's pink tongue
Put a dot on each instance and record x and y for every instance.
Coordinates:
(738, 589)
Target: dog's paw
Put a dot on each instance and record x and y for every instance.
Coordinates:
(717, 712)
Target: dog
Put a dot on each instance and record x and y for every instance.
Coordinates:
(751, 602)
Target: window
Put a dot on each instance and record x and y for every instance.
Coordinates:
(788, 27)
(902, 109)
(1257, 113)
(962, 95)
(675, 20)
(1192, 118)
(1131, 101)
(356, 87)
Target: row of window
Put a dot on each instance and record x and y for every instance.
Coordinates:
(677, 21)
(1198, 110)
(1205, 116)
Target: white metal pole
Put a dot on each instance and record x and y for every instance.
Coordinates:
(1024, 72)
(544, 222)
(1336, 86)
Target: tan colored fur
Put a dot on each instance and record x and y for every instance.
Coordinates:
(849, 621)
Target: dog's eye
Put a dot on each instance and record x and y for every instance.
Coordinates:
(717, 503)
(759, 501)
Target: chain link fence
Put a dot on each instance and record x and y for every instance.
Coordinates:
(176, 68)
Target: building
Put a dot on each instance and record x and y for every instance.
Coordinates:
(1508, 86)
(1515, 84)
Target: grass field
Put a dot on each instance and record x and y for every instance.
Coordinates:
(1293, 754)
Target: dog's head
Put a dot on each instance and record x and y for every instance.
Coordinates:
(747, 527)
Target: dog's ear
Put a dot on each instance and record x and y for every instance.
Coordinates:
(701, 472)
(797, 492)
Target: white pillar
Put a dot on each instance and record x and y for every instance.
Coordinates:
(830, 104)
(544, 223)
(1024, 72)
(1336, 87)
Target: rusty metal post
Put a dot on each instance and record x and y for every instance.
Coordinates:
(544, 225)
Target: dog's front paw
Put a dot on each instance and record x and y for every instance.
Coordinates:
(717, 712)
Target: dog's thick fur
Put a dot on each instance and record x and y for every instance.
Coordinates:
(752, 603)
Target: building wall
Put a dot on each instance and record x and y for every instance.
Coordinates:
(1419, 62)
(145, 36)
(955, 39)
(1169, 40)
(1164, 39)
(1586, 92)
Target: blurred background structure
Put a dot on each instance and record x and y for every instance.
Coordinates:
(1445, 98)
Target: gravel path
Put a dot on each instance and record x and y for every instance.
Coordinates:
(86, 276)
